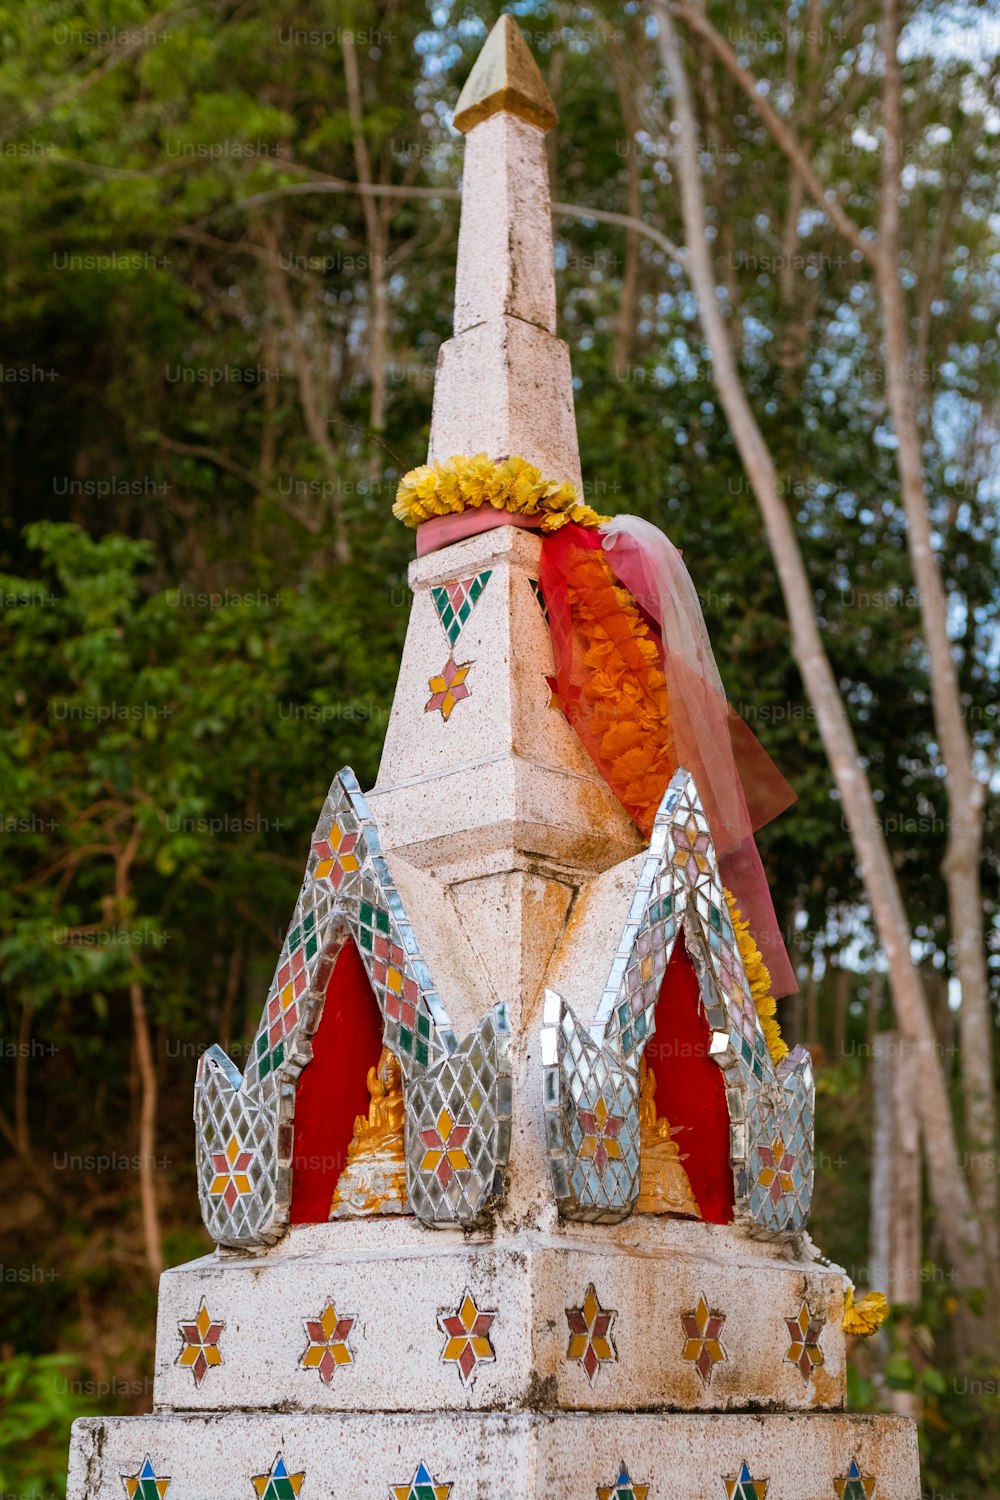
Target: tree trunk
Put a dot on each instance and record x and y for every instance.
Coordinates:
(147, 1076)
(21, 1130)
(948, 1185)
(966, 794)
(376, 231)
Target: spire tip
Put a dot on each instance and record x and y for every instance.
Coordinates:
(505, 76)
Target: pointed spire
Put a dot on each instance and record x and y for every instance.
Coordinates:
(504, 384)
(505, 77)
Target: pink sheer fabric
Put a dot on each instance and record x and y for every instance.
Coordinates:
(740, 786)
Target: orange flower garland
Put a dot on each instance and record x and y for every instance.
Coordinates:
(622, 713)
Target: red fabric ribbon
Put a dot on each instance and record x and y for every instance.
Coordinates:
(740, 786)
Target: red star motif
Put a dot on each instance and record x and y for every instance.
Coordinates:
(443, 1154)
(690, 848)
(468, 1344)
(776, 1170)
(600, 1135)
(231, 1181)
(702, 1327)
(448, 688)
(336, 856)
(590, 1339)
(803, 1348)
(201, 1344)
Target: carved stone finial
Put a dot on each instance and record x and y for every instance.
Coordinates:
(505, 77)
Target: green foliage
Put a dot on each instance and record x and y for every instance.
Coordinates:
(38, 1401)
(204, 596)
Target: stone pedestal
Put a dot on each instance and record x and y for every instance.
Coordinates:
(499, 1456)
(547, 1365)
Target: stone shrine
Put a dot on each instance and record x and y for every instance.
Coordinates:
(511, 1197)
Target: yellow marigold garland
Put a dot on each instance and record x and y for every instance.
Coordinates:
(865, 1317)
(467, 482)
(760, 983)
(625, 689)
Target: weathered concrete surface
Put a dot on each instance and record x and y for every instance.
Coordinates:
(543, 1457)
(394, 1279)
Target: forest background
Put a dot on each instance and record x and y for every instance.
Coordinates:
(228, 234)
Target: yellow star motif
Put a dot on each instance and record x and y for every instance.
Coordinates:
(328, 1346)
(448, 688)
(776, 1172)
(443, 1153)
(702, 1347)
(468, 1343)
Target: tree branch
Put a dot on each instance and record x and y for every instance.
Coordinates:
(782, 133)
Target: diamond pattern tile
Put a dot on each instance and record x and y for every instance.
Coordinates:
(458, 1127)
(347, 892)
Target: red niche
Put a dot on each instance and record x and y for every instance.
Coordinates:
(690, 1089)
(333, 1087)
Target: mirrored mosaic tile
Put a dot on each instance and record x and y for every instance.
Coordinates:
(702, 1338)
(458, 1127)
(536, 589)
(743, 1486)
(680, 886)
(245, 1122)
(455, 602)
(803, 1341)
(329, 1348)
(449, 688)
(592, 1121)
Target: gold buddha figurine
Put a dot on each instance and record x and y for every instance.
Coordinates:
(374, 1180)
(663, 1184)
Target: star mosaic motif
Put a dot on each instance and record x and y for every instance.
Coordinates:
(690, 848)
(144, 1484)
(776, 1171)
(854, 1485)
(600, 1135)
(336, 856)
(278, 1484)
(743, 1486)
(624, 1488)
(803, 1347)
(231, 1181)
(200, 1351)
(449, 688)
(421, 1487)
(444, 1155)
(468, 1338)
(590, 1340)
(702, 1327)
(329, 1344)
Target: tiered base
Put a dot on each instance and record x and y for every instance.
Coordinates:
(487, 1456)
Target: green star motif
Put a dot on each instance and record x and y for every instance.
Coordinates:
(278, 1484)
